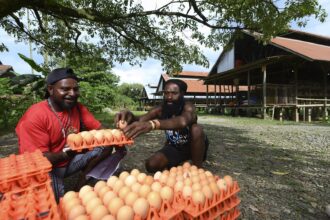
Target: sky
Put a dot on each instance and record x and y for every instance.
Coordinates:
(150, 70)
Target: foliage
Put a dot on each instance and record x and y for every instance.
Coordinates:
(133, 91)
(127, 32)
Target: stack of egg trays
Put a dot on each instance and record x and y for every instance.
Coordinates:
(33, 203)
(21, 171)
(223, 206)
(115, 142)
(25, 187)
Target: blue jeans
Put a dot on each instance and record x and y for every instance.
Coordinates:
(75, 165)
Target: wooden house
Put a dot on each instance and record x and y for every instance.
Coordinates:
(287, 77)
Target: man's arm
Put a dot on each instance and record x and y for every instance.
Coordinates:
(144, 125)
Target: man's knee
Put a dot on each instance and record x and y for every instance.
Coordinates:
(197, 131)
(156, 163)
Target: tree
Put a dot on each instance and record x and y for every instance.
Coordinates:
(133, 90)
(127, 33)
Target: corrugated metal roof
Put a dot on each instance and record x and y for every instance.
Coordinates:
(304, 49)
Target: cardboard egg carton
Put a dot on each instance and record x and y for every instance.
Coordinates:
(97, 138)
(25, 170)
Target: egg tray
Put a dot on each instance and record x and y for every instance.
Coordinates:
(219, 204)
(167, 211)
(32, 203)
(230, 215)
(105, 143)
(21, 171)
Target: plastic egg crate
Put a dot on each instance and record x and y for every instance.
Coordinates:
(216, 200)
(33, 203)
(83, 200)
(20, 171)
(96, 138)
(223, 206)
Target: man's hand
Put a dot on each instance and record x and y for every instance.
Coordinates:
(71, 153)
(124, 115)
(136, 128)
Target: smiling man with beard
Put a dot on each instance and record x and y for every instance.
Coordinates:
(185, 139)
(46, 125)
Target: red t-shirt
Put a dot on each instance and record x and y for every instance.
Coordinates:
(39, 127)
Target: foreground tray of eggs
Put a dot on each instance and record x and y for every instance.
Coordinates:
(136, 195)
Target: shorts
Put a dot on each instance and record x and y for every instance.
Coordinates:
(178, 154)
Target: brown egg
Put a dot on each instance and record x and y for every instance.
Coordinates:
(141, 177)
(93, 131)
(229, 180)
(99, 212)
(208, 173)
(154, 200)
(76, 211)
(99, 185)
(92, 204)
(82, 217)
(108, 136)
(118, 184)
(108, 217)
(111, 181)
(108, 196)
(178, 187)
(171, 181)
(114, 205)
(198, 197)
(130, 198)
(207, 192)
(123, 175)
(103, 191)
(123, 192)
(130, 180)
(156, 186)
(87, 137)
(222, 184)
(71, 203)
(83, 190)
(167, 193)
(186, 192)
(186, 165)
(88, 196)
(117, 134)
(149, 180)
(125, 213)
(215, 189)
(75, 139)
(144, 190)
(136, 187)
(135, 172)
(141, 207)
(99, 137)
(122, 124)
(196, 186)
(69, 195)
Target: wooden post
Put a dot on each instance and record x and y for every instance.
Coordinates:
(281, 114)
(215, 94)
(264, 73)
(249, 87)
(207, 95)
(296, 93)
(309, 115)
(325, 113)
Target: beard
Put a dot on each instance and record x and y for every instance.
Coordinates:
(173, 109)
(66, 105)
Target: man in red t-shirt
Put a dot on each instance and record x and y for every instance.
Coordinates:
(45, 126)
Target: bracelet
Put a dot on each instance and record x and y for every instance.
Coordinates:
(157, 123)
(152, 125)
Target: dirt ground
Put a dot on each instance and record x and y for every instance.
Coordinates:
(283, 169)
